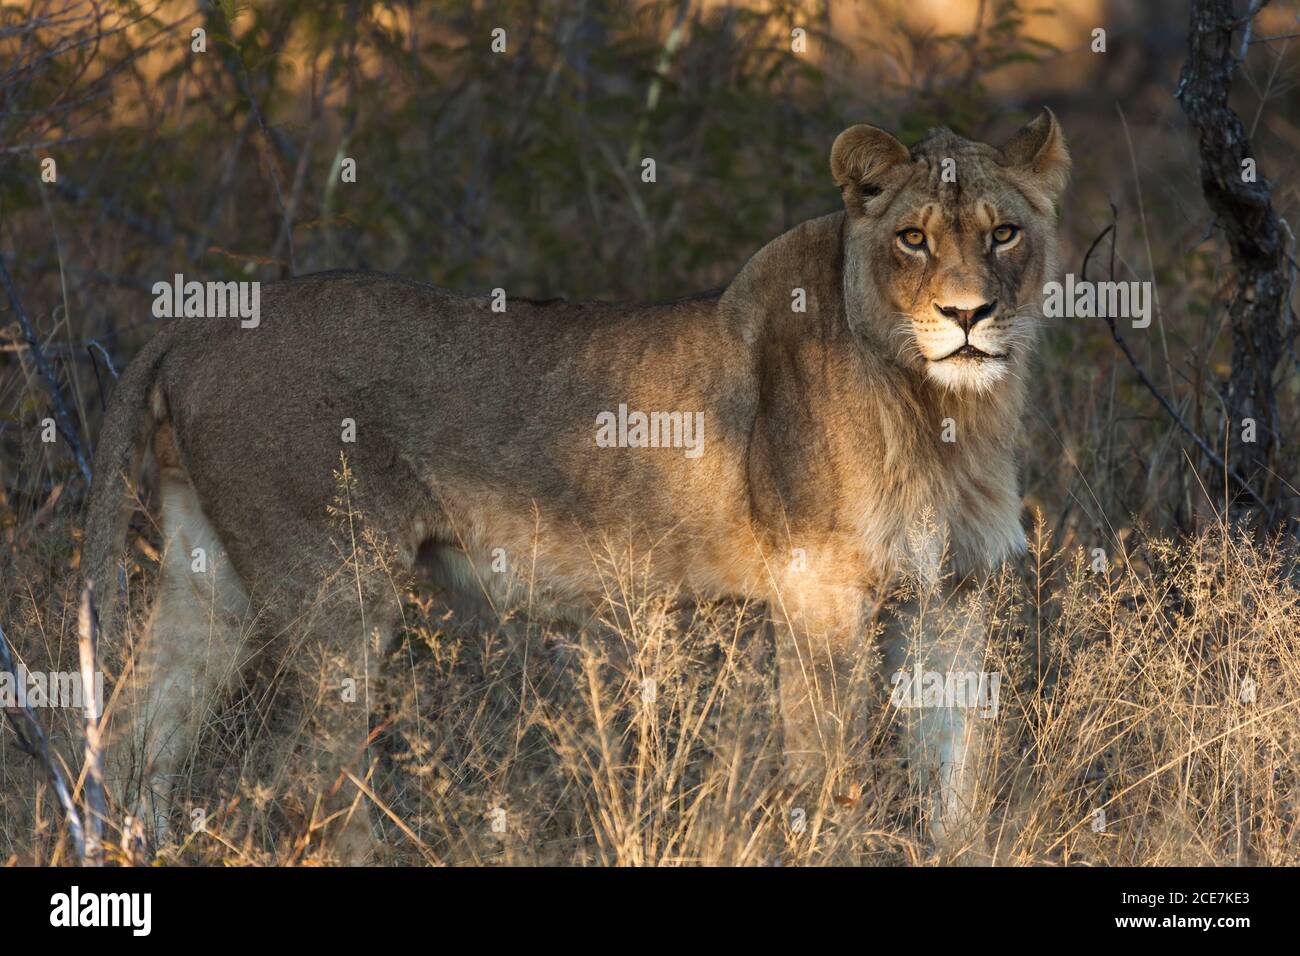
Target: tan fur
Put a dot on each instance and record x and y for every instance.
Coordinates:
(475, 430)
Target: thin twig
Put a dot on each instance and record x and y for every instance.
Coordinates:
(96, 806)
(1151, 386)
(108, 360)
(94, 364)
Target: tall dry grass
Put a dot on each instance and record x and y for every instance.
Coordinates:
(1148, 715)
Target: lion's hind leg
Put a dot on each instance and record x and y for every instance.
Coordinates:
(194, 643)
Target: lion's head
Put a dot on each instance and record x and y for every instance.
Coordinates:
(949, 245)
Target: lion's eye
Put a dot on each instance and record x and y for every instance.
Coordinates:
(912, 238)
(1004, 233)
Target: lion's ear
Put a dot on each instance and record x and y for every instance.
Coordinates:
(1039, 149)
(862, 154)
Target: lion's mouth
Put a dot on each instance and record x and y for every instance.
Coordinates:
(969, 351)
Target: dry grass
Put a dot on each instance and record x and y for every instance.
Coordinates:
(1126, 692)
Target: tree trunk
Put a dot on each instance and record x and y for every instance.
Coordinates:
(1240, 199)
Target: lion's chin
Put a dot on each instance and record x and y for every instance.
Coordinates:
(962, 374)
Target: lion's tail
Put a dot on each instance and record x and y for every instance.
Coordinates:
(127, 424)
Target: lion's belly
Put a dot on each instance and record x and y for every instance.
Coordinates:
(516, 544)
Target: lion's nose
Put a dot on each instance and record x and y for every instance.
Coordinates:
(967, 318)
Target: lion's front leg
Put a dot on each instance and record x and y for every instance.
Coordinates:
(935, 652)
(824, 662)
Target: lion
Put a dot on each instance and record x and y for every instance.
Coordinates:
(843, 416)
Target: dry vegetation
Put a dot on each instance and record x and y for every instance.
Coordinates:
(1164, 690)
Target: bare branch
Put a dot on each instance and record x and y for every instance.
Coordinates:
(61, 418)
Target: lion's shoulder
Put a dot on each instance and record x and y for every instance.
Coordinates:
(800, 271)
